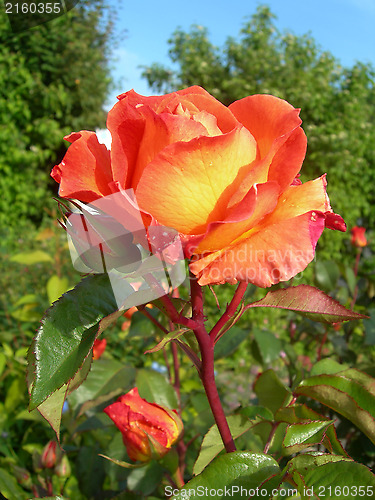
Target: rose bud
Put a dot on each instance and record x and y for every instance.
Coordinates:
(63, 469)
(358, 237)
(148, 429)
(48, 457)
(98, 348)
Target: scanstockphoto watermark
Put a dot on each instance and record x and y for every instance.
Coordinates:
(25, 14)
(342, 491)
(229, 491)
(109, 236)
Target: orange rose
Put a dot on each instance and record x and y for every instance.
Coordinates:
(225, 178)
(148, 430)
(358, 238)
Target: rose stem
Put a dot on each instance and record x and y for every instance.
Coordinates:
(230, 310)
(172, 313)
(142, 310)
(207, 374)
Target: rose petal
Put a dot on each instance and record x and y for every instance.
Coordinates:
(188, 185)
(160, 131)
(275, 124)
(260, 201)
(193, 98)
(85, 171)
(335, 221)
(299, 199)
(126, 126)
(276, 253)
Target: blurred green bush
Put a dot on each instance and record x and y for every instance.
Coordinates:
(54, 79)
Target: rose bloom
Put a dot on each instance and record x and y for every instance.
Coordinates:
(226, 178)
(358, 238)
(148, 429)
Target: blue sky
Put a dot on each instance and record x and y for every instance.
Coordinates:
(343, 27)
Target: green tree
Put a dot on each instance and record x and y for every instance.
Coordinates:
(54, 79)
(337, 103)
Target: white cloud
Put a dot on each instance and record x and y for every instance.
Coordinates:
(126, 73)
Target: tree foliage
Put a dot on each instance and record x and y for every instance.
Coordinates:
(337, 104)
(54, 79)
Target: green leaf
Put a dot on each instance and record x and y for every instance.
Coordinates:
(90, 470)
(327, 366)
(15, 394)
(10, 488)
(327, 273)
(271, 392)
(350, 279)
(146, 479)
(304, 435)
(141, 326)
(369, 325)
(175, 334)
(29, 310)
(67, 335)
(30, 258)
(155, 388)
(121, 463)
(228, 343)
(3, 362)
(269, 346)
(340, 480)
(308, 301)
(308, 461)
(231, 322)
(231, 472)
(254, 411)
(181, 306)
(298, 413)
(350, 393)
(56, 287)
(107, 376)
(51, 408)
(212, 443)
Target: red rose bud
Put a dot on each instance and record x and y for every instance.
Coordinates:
(358, 237)
(98, 348)
(148, 429)
(48, 458)
(63, 469)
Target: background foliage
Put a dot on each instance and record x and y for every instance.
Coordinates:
(54, 79)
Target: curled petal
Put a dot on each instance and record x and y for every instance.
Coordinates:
(276, 253)
(259, 201)
(275, 125)
(85, 172)
(335, 221)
